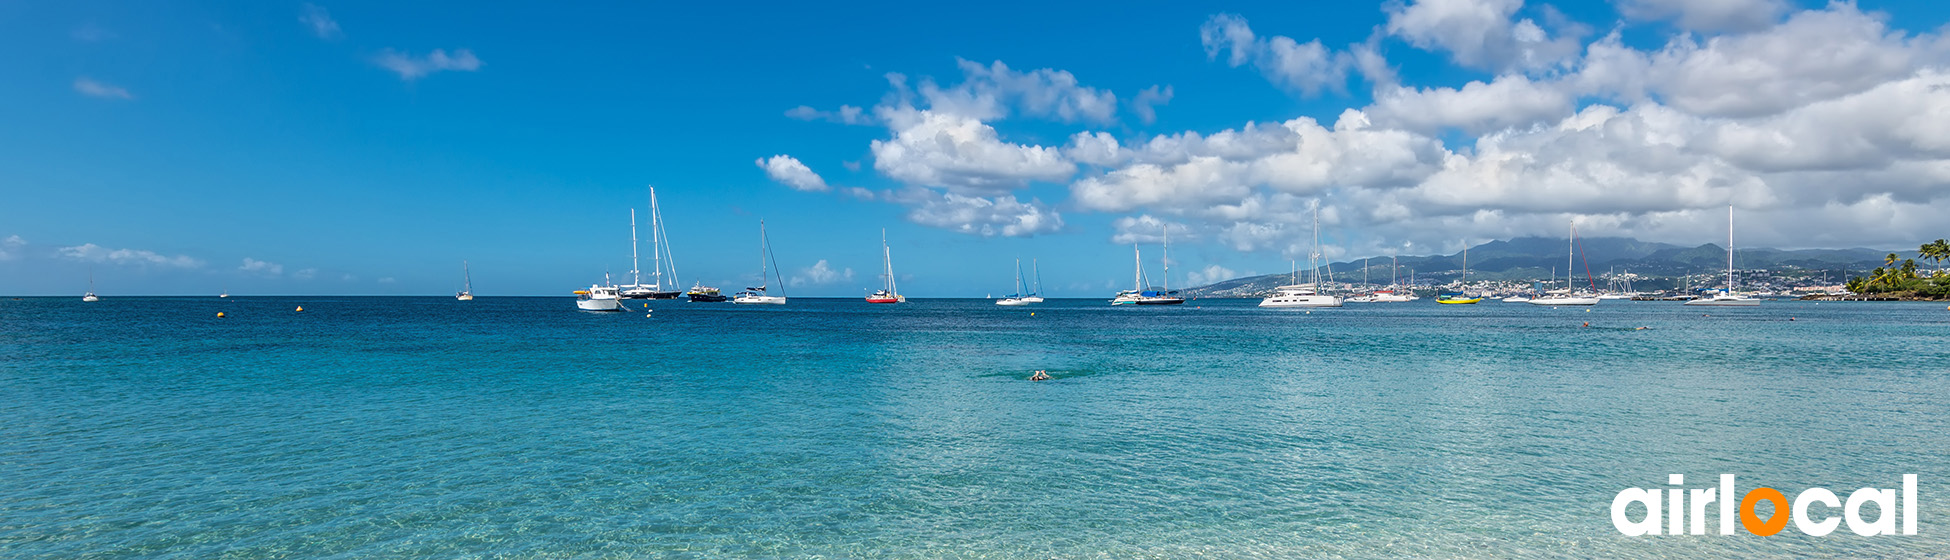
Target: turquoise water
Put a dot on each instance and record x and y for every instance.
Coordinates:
(518, 428)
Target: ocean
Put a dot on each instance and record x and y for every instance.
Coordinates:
(380, 427)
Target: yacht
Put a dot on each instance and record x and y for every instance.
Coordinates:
(660, 258)
(90, 296)
(705, 294)
(599, 297)
(1458, 297)
(1141, 296)
(1726, 297)
(1016, 298)
(466, 290)
(1304, 295)
(1035, 293)
(758, 294)
(1566, 296)
(887, 293)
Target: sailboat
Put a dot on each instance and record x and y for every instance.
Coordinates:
(887, 293)
(90, 296)
(467, 289)
(1566, 297)
(1727, 297)
(599, 297)
(1016, 298)
(758, 294)
(1304, 295)
(1141, 296)
(1036, 293)
(659, 250)
(1459, 296)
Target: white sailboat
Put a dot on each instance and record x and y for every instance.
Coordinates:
(1016, 298)
(599, 297)
(90, 296)
(1304, 295)
(1036, 293)
(1726, 297)
(758, 294)
(660, 259)
(887, 293)
(1567, 296)
(1141, 296)
(467, 286)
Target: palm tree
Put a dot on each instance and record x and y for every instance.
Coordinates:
(1936, 252)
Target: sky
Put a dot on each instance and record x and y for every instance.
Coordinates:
(191, 148)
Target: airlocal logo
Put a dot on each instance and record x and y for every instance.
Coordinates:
(1684, 509)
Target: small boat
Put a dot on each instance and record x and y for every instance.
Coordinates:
(1726, 298)
(1457, 297)
(705, 294)
(1304, 295)
(1516, 299)
(887, 293)
(90, 296)
(1016, 298)
(758, 295)
(1566, 296)
(599, 297)
(467, 288)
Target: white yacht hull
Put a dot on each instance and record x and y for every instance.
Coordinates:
(1032, 299)
(1725, 301)
(770, 300)
(1012, 301)
(598, 305)
(1301, 301)
(1516, 299)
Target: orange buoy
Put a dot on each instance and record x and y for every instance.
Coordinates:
(301, 308)
(219, 314)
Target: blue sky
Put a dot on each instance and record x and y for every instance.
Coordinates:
(368, 148)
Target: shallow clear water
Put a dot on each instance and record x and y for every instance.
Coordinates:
(518, 428)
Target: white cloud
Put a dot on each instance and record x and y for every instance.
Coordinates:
(788, 171)
(1146, 229)
(994, 91)
(1511, 100)
(1147, 102)
(319, 21)
(1479, 34)
(1211, 274)
(260, 267)
(987, 217)
(961, 154)
(847, 114)
(1707, 15)
(822, 273)
(305, 273)
(387, 280)
(11, 247)
(1305, 67)
(93, 253)
(411, 67)
(89, 87)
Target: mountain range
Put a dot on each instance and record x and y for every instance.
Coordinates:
(1541, 258)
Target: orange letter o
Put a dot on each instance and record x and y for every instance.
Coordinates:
(1775, 522)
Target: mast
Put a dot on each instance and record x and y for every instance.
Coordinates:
(1167, 258)
(1571, 249)
(1313, 259)
(1038, 272)
(1729, 249)
(467, 278)
(636, 279)
(763, 278)
(1465, 276)
(1137, 255)
(1018, 277)
(656, 241)
(887, 254)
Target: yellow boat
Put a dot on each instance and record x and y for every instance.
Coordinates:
(1457, 299)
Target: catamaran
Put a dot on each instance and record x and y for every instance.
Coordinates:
(1567, 296)
(1727, 297)
(1016, 298)
(887, 293)
(758, 295)
(466, 290)
(659, 250)
(1458, 296)
(1304, 295)
(599, 297)
(1141, 296)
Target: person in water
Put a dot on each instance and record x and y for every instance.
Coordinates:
(1040, 375)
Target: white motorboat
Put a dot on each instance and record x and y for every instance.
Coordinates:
(599, 297)
(1726, 298)
(1304, 295)
(767, 267)
(1566, 296)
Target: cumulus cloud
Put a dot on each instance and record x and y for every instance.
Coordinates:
(12, 247)
(1211, 274)
(305, 273)
(1479, 34)
(789, 171)
(961, 154)
(1511, 100)
(260, 267)
(822, 273)
(411, 67)
(994, 91)
(1707, 15)
(89, 87)
(93, 253)
(1147, 102)
(988, 217)
(319, 21)
(1308, 67)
